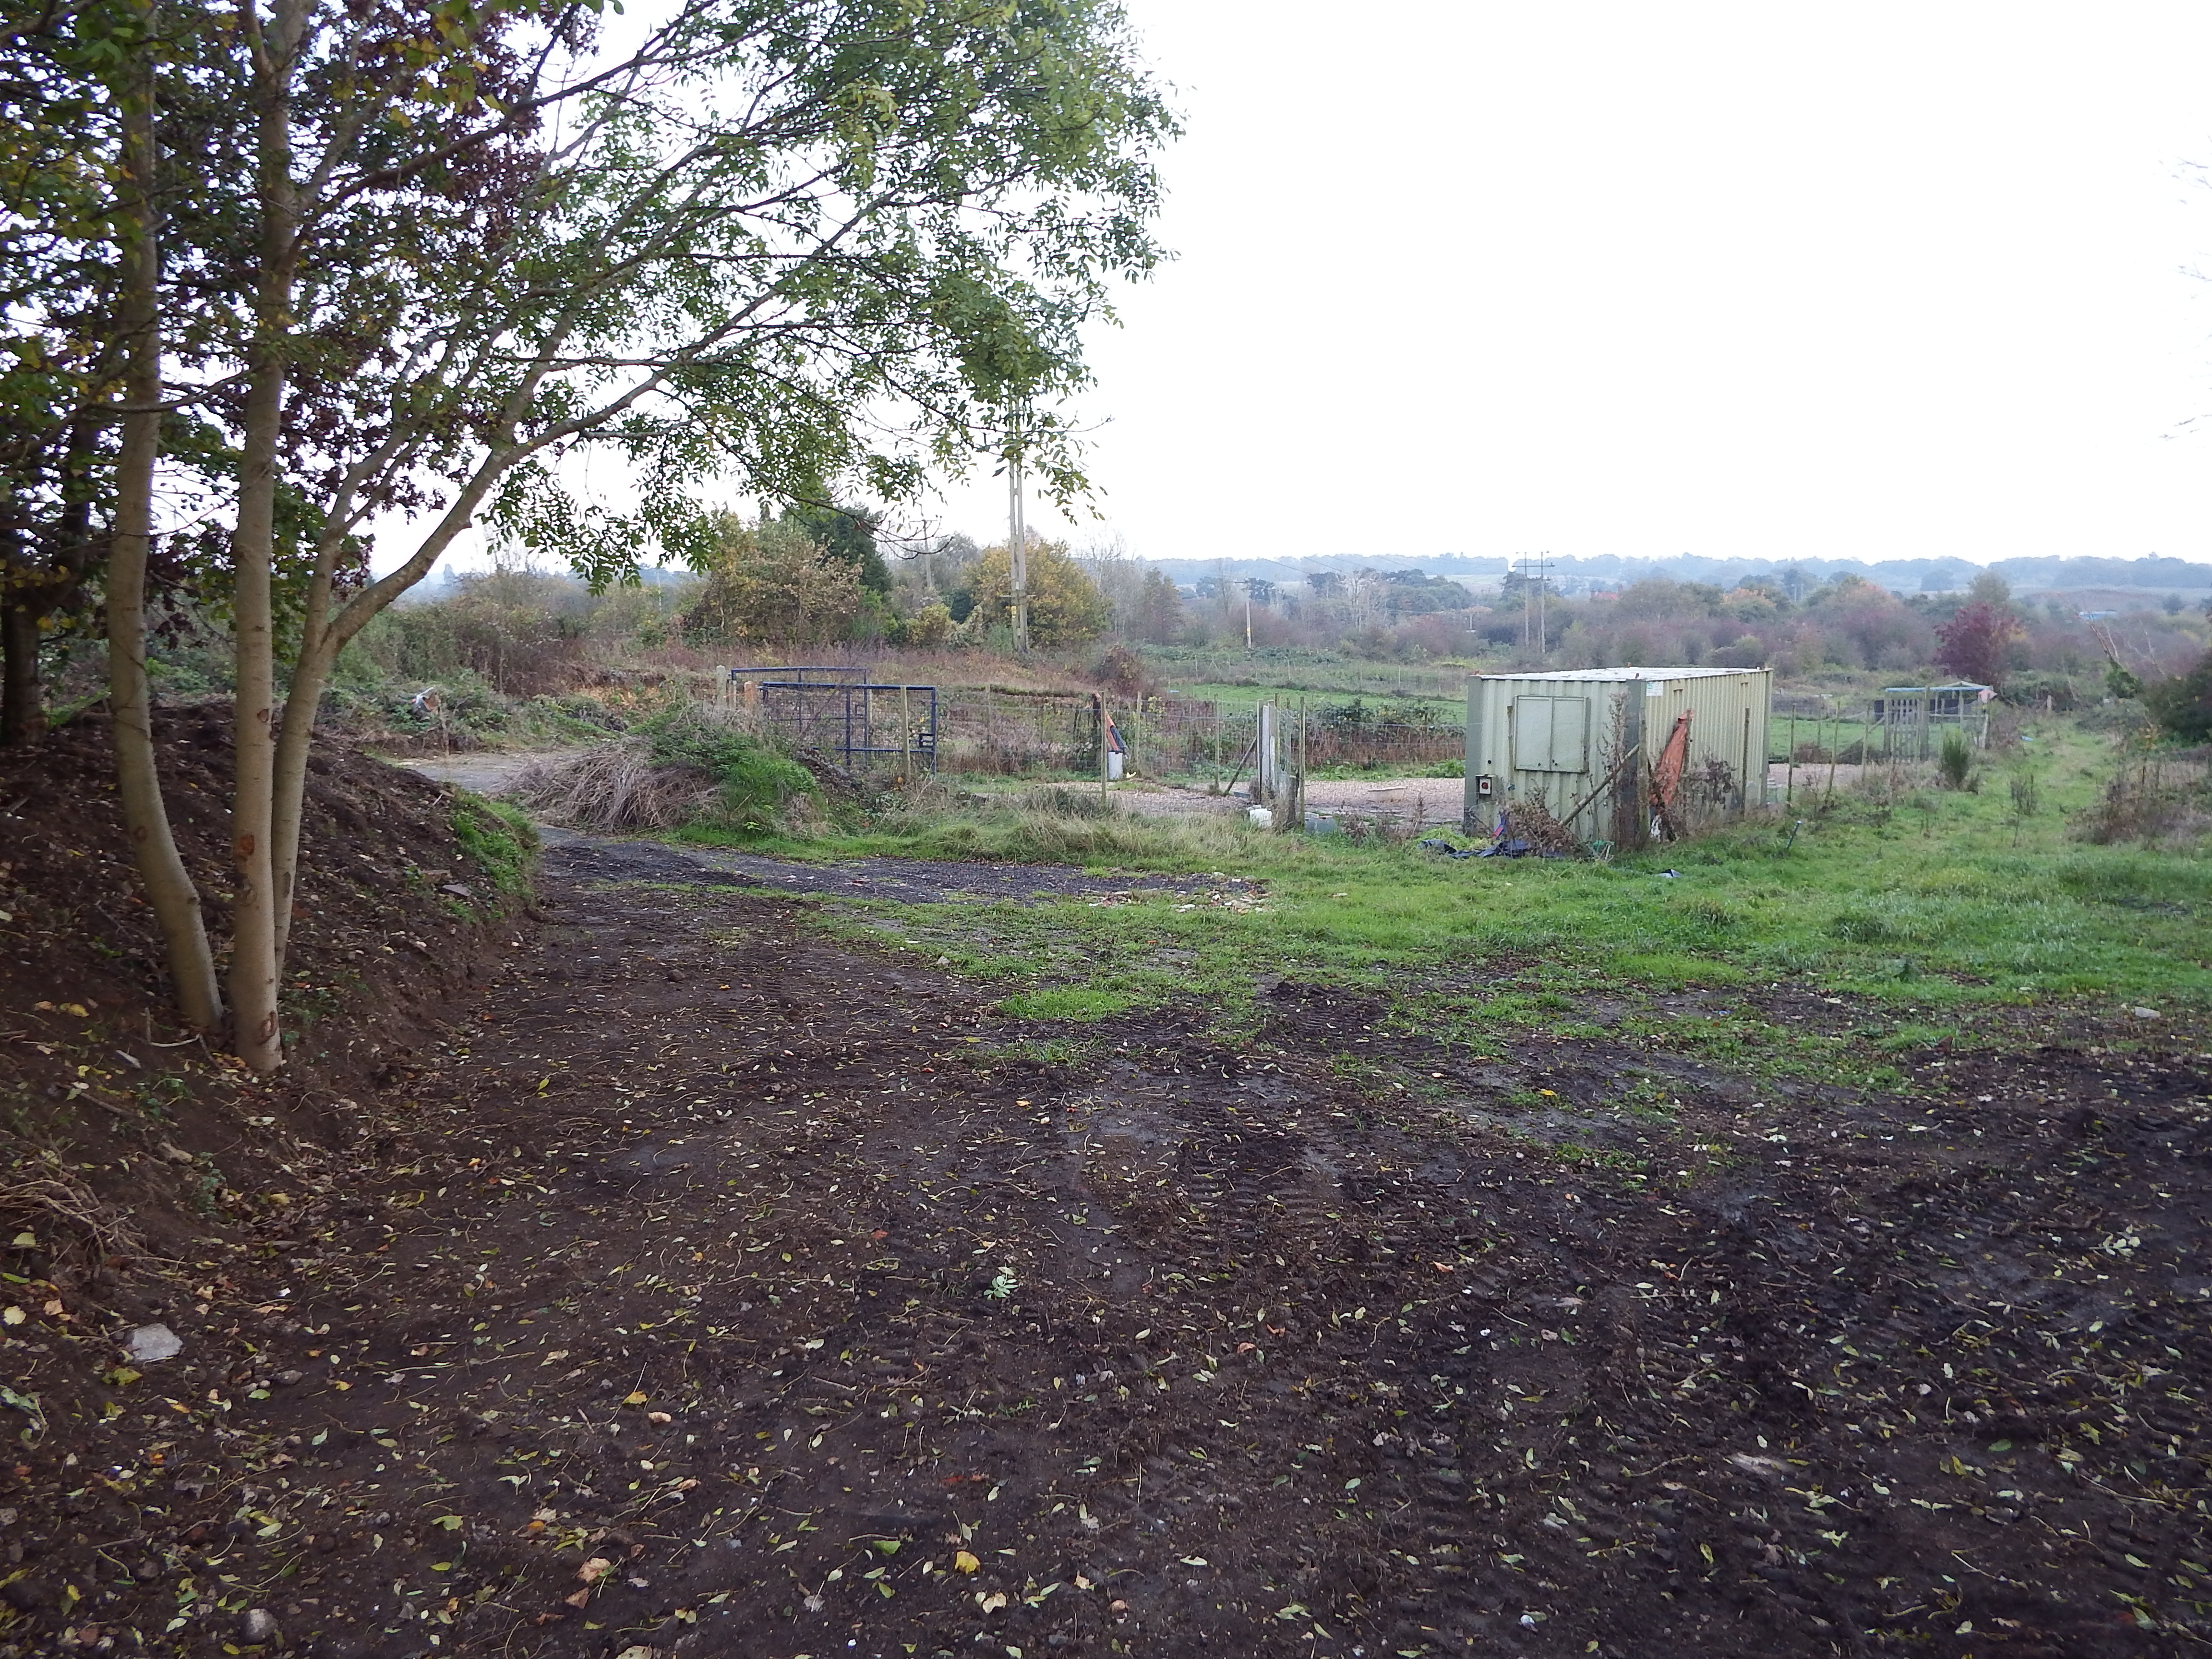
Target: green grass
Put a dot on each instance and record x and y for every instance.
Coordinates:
(1929, 910)
(1289, 690)
(1066, 1002)
(1240, 678)
(500, 839)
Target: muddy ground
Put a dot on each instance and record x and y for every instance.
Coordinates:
(711, 1288)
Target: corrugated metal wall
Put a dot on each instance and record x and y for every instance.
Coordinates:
(1556, 737)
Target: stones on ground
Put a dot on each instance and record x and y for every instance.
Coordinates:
(150, 1343)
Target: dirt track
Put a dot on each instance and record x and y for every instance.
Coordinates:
(724, 1291)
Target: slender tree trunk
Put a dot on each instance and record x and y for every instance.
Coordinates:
(36, 582)
(322, 637)
(169, 887)
(296, 737)
(254, 970)
(22, 705)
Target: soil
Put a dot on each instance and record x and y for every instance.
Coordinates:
(393, 921)
(893, 881)
(714, 1288)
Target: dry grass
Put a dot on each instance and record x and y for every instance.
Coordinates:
(1533, 821)
(71, 1225)
(2163, 800)
(615, 786)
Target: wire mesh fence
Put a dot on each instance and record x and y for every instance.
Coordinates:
(838, 712)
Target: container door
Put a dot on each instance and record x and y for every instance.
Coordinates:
(1551, 734)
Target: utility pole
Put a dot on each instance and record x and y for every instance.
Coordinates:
(1018, 551)
(1248, 613)
(1543, 581)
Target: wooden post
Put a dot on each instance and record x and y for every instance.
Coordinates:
(1789, 767)
(1743, 791)
(906, 738)
(1632, 806)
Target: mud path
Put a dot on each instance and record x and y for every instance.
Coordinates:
(727, 1292)
(893, 881)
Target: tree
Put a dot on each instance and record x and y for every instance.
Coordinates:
(846, 533)
(67, 75)
(752, 238)
(1988, 588)
(83, 398)
(169, 889)
(1415, 593)
(1159, 609)
(776, 586)
(1880, 631)
(1973, 643)
(1065, 607)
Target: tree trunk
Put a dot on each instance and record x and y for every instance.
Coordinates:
(36, 582)
(169, 887)
(253, 970)
(22, 704)
(322, 637)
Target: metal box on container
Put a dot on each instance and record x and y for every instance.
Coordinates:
(1583, 741)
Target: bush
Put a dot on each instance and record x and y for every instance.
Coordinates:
(2182, 703)
(2052, 693)
(1065, 607)
(753, 780)
(1955, 760)
(1057, 800)
(681, 767)
(2151, 800)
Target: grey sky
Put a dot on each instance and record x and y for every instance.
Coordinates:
(1879, 280)
(1876, 281)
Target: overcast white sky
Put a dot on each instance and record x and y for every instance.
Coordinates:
(1867, 281)
(1873, 281)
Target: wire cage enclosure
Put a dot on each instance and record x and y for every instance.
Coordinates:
(840, 713)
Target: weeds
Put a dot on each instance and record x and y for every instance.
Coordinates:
(500, 839)
(2153, 799)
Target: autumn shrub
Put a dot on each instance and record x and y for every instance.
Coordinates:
(773, 584)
